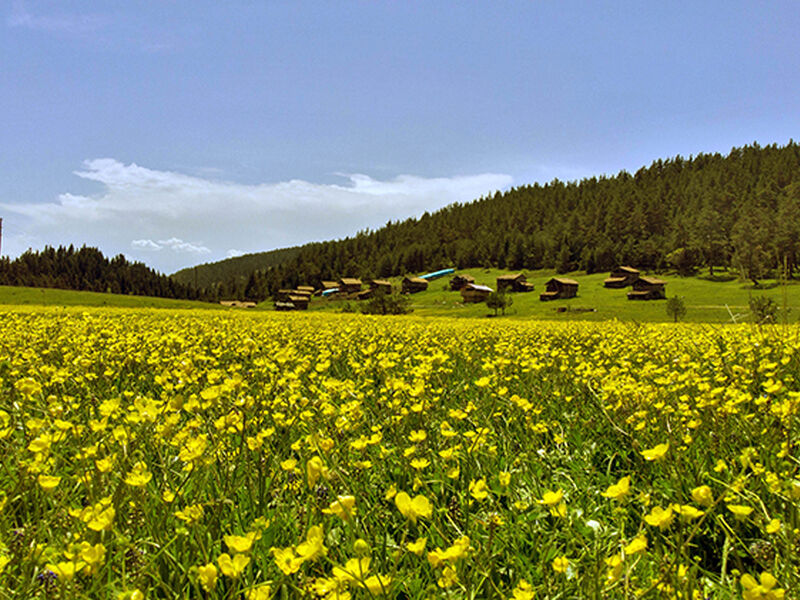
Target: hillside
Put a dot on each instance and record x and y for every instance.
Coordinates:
(706, 301)
(31, 296)
(239, 267)
(740, 211)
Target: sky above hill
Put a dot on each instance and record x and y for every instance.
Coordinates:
(186, 131)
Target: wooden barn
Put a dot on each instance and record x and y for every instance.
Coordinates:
(283, 295)
(237, 303)
(381, 284)
(412, 285)
(299, 301)
(515, 282)
(306, 289)
(349, 285)
(329, 285)
(460, 281)
(621, 277)
(474, 293)
(559, 288)
(648, 288)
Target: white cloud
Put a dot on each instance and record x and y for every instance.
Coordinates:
(143, 211)
(62, 23)
(233, 253)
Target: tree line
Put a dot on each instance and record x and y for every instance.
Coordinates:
(738, 211)
(88, 269)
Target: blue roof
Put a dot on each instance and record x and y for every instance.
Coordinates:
(436, 274)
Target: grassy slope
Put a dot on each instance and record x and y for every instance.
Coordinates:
(705, 300)
(52, 297)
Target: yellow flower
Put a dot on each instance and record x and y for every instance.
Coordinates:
(619, 490)
(688, 512)
(314, 546)
(93, 555)
(417, 436)
(739, 511)
(139, 475)
(344, 507)
(289, 464)
(478, 489)
(656, 453)
(286, 560)
(523, 591)
(703, 496)
(552, 498)
(261, 592)
(419, 507)
(241, 543)
(191, 514)
(638, 544)
(660, 517)
(614, 564)
(774, 526)
(314, 469)
(417, 547)
(449, 576)
(66, 570)
(232, 567)
(355, 569)
(761, 590)
(504, 478)
(48, 482)
(455, 552)
(377, 584)
(560, 564)
(207, 574)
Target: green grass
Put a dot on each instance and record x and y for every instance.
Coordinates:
(21, 296)
(706, 301)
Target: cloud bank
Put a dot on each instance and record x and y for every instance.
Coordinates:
(171, 220)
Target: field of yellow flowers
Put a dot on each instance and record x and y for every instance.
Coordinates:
(217, 455)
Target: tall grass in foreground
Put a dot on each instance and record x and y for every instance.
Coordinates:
(260, 456)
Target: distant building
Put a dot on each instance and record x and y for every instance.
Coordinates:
(412, 285)
(516, 282)
(329, 285)
(237, 303)
(381, 284)
(459, 281)
(648, 288)
(349, 285)
(474, 293)
(621, 277)
(559, 288)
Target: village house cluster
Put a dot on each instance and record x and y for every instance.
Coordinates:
(556, 288)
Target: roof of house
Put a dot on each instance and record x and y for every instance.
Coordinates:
(627, 269)
(416, 280)
(510, 277)
(652, 280)
(350, 281)
(613, 279)
(478, 287)
(329, 284)
(381, 282)
(564, 280)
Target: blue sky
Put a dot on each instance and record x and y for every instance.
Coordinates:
(183, 132)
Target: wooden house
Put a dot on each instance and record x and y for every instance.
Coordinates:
(329, 285)
(648, 288)
(559, 288)
(474, 293)
(515, 282)
(460, 281)
(349, 285)
(283, 295)
(621, 277)
(238, 303)
(300, 302)
(309, 289)
(381, 284)
(412, 285)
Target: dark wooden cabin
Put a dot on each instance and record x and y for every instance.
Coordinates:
(412, 285)
(459, 281)
(516, 282)
(474, 293)
(621, 277)
(648, 288)
(349, 285)
(559, 288)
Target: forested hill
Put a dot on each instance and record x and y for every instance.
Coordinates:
(87, 269)
(741, 210)
(239, 267)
